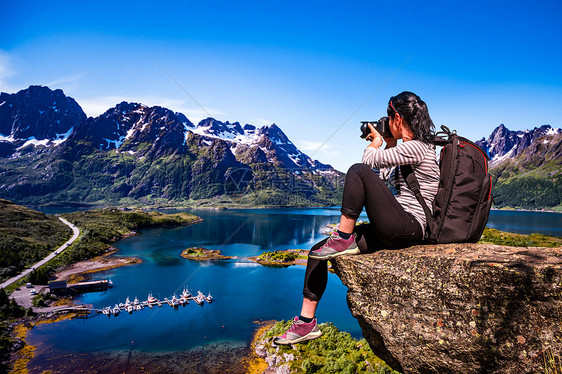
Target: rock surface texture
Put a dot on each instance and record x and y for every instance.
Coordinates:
(458, 308)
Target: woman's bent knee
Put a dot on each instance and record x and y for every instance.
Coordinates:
(358, 168)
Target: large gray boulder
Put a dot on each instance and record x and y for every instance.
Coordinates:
(458, 308)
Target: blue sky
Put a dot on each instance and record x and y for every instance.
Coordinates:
(315, 68)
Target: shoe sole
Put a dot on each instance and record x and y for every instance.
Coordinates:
(353, 251)
(309, 336)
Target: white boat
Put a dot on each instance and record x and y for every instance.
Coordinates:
(175, 301)
(200, 298)
(151, 299)
(136, 301)
(106, 311)
(127, 303)
(137, 307)
(129, 308)
(186, 294)
(209, 298)
(109, 283)
(116, 310)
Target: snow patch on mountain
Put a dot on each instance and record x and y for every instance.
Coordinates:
(504, 144)
(9, 138)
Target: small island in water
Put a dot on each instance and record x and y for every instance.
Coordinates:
(203, 254)
(271, 258)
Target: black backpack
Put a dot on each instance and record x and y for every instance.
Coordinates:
(464, 198)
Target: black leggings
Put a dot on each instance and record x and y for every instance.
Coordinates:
(390, 225)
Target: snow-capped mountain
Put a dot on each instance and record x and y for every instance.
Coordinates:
(138, 151)
(36, 116)
(504, 144)
(526, 167)
(271, 140)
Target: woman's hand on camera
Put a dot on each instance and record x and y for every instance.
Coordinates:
(390, 142)
(374, 137)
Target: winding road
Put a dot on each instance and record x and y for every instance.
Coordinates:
(59, 250)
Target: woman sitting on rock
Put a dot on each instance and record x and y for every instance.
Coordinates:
(397, 220)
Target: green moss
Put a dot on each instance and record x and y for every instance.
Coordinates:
(334, 352)
(519, 240)
(279, 256)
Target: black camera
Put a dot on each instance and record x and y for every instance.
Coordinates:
(381, 126)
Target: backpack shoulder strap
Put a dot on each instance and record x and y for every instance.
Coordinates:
(412, 182)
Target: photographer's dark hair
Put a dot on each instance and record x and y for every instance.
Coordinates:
(415, 112)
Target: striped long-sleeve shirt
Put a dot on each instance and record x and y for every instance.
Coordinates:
(424, 163)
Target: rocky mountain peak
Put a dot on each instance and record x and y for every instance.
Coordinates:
(224, 130)
(249, 128)
(503, 144)
(127, 126)
(275, 133)
(186, 122)
(37, 113)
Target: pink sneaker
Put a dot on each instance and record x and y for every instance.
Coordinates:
(299, 332)
(335, 246)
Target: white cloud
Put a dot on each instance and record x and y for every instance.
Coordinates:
(319, 150)
(6, 71)
(307, 145)
(65, 83)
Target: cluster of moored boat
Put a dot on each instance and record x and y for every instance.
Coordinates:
(135, 305)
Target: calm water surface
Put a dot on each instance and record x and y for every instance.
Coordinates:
(244, 292)
(523, 222)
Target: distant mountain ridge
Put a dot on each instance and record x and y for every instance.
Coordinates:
(50, 151)
(36, 116)
(526, 167)
(505, 144)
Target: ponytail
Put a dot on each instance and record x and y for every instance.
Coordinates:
(415, 113)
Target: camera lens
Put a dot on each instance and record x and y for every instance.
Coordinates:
(365, 130)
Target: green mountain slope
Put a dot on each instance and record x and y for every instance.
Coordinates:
(532, 179)
(27, 236)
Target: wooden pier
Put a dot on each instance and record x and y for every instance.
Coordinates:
(63, 288)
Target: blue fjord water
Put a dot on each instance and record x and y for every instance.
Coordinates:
(244, 292)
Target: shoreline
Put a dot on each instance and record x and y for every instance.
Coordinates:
(254, 363)
(526, 210)
(217, 357)
(76, 272)
(72, 273)
(226, 207)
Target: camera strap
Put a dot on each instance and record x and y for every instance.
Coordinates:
(412, 182)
